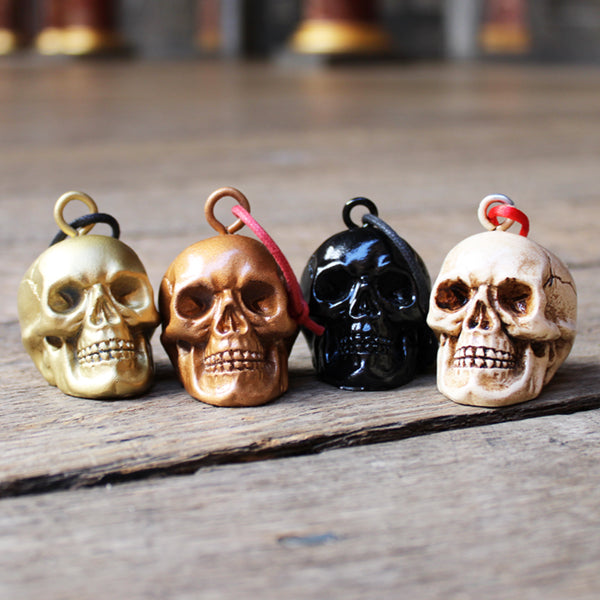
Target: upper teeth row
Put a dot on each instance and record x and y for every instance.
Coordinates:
(358, 338)
(483, 352)
(231, 366)
(483, 363)
(98, 357)
(105, 346)
(369, 343)
(230, 355)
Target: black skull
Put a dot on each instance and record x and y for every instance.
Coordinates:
(360, 287)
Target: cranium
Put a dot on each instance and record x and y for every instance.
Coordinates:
(362, 290)
(226, 325)
(504, 309)
(87, 314)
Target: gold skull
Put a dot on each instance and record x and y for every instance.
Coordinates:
(226, 325)
(87, 313)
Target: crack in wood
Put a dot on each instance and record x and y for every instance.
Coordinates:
(307, 446)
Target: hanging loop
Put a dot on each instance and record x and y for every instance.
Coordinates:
(60, 219)
(297, 307)
(351, 204)
(504, 207)
(484, 218)
(224, 192)
(417, 268)
(90, 220)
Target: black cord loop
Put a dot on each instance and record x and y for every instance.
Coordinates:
(90, 219)
(410, 256)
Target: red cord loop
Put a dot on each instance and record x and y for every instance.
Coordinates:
(298, 307)
(509, 212)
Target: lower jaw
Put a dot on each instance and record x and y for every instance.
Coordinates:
(498, 388)
(232, 391)
(245, 387)
(370, 362)
(108, 381)
(485, 376)
(120, 365)
(347, 378)
(133, 371)
(239, 378)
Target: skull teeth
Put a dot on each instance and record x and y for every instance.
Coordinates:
(106, 350)
(365, 344)
(480, 357)
(232, 361)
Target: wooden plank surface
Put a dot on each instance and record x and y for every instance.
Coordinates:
(503, 511)
(53, 441)
(458, 504)
(150, 142)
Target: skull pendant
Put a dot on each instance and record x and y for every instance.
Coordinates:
(369, 289)
(504, 309)
(226, 324)
(87, 313)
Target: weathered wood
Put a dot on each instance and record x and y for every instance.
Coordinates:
(503, 511)
(150, 142)
(50, 440)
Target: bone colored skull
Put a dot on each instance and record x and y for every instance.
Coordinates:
(504, 309)
(226, 325)
(87, 314)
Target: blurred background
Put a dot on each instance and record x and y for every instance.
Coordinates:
(557, 30)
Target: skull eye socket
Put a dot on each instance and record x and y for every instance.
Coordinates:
(129, 291)
(65, 298)
(452, 295)
(514, 297)
(259, 297)
(396, 288)
(194, 302)
(333, 285)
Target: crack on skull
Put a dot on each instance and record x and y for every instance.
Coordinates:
(507, 326)
(554, 277)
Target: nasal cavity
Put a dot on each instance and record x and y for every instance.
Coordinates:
(229, 321)
(479, 318)
(103, 312)
(364, 304)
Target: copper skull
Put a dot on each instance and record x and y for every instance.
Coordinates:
(226, 324)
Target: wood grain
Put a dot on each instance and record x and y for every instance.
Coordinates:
(426, 143)
(503, 511)
(54, 441)
(151, 141)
